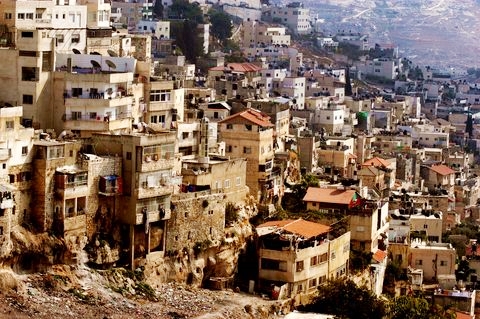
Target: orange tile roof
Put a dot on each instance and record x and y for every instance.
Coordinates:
(300, 227)
(238, 67)
(379, 255)
(329, 195)
(251, 116)
(462, 315)
(377, 162)
(442, 169)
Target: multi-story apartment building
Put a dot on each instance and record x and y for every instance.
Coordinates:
(236, 80)
(381, 67)
(294, 15)
(148, 183)
(249, 134)
(294, 88)
(296, 256)
(257, 33)
(36, 31)
(93, 93)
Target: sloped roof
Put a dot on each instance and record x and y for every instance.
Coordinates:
(369, 171)
(251, 116)
(379, 255)
(377, 162)
(329, 195)
(238, 67)
(442, 169)
(300, 227)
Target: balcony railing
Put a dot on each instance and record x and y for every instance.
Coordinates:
(97, 117)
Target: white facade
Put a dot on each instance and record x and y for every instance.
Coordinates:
(294, 87)
(295, 17)
(386, 68)
(158, 29)
(260, 34)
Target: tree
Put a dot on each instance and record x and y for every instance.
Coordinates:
(348, 83)
(182, 9)
(344, 299)
(418, 308)
(221, 24)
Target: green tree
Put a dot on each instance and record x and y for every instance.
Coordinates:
(418, 307)
(348, 83)
(344, 299)
(182, 9)
(221, 24)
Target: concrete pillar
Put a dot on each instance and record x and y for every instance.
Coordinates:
(132, 246)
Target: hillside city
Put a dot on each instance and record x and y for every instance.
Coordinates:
(150, 150)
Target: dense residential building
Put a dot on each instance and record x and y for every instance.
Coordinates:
(296, 256)
(249, 134)
(293, 15)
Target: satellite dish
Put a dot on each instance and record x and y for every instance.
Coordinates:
(76, 51)
(95, 64)
(110, 64)
(95, 53)
(112, 53)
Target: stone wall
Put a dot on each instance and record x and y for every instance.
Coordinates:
(197, 219)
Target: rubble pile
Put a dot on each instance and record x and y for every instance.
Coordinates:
(80, 292)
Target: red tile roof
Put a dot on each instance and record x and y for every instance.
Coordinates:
(300, 227)
(376, 162)
(238, 67)
(442, 169)
(379, 255)
(250, 116)
(462, 315)
(329, 195)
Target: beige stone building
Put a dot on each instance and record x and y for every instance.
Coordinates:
(434, 259)
(93, 93)
(209, 188)
(33, 32)
(258, 33)
(298, 256)
(249, 134)
(148, 183)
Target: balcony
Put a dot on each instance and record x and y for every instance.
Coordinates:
(149, 192)
(98, 100)
(71, 185)
(97, 123)
(110, 185)
(153, 216)
(154, 164)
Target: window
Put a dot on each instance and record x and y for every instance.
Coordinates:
(9, 125)
(76, 92)
(247, 150)
(299, 266)
(159, 96)
(238, 181)
(21, 16)
(248, 127)
(27, 53)
(93, 115)
(153, 119)
(312, 283)
(29, 74)
(60, 38)
(75, 38)
(425, 226)
(443, 263)
(226, 183)
(8, 15)
(185, 135)
(322, 258)
(29, 16)
(76, 115)
(228, 149)
(418, 262)
(27, 99)
(332, 256)
(314, 261)
(24, 150)
(273, 264)
(129, 156)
